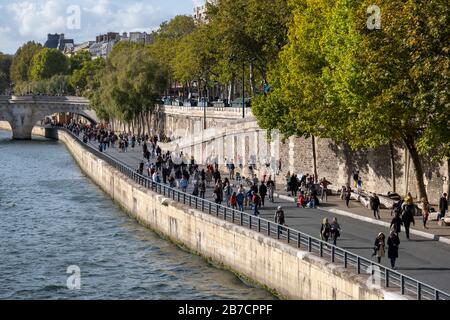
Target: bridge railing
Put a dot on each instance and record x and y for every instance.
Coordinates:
(381, 275)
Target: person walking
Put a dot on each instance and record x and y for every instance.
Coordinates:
(184, 184)
(348, 195)
(379, 246)
(218, 193)
(271, 188)
(324, 183)
(279, 218)
(325, 230)
(375, 205)
(263, 192)
(396, 223)
(256, 204)
(202, 188)
(409, 211)
(425, 212)
(240, 197)
(233, 201)
(443, 206)
(227, 192)
(335, 230)
(232, 168)
(216, 176)
(393, 244)
(196, 190)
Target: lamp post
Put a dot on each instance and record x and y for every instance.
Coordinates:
(243, 90)
(204, 107)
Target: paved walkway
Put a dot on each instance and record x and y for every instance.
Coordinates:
(423, 259)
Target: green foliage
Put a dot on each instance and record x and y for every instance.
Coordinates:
(48, 63)
(22, 61)
(56, 85)
(338, 79)
(84, 79)
(5, 66)
(79, 60)
(129, 84)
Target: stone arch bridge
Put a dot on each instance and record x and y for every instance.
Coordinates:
(23, 112)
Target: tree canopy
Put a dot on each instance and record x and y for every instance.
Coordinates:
(48, 63)
(338, 79)
(22, 62)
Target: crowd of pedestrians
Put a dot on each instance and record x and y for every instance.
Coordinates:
(239, 193)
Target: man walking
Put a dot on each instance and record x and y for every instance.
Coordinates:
(375, 205)
(443, 206)
(279, 218)
(409, 211)
(263, 192)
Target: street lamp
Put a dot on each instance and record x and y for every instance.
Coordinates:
(204, 106)
(243, 89)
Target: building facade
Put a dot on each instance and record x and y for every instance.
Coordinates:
(58, 41)
(200, 11)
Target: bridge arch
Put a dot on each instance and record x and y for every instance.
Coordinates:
(23, 113)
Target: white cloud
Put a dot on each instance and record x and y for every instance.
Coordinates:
(24, 20)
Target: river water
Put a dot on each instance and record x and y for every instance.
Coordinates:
(53, 217)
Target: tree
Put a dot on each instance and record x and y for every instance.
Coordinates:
(47, 63)
(338, 79)
(79, 60)
(22, 61)
(394, 85)
(250, 32)
(82, 79)
(5, 66)
(129, 86)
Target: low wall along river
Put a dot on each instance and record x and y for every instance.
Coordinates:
(289, 272)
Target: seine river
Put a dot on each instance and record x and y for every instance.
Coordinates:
(52, 217)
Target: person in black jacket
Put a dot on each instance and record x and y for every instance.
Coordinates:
(396, 223)
(263, 192)
(443, 206)
(375, 205)
(408, 217)
(393, 244)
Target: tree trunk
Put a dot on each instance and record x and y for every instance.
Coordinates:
(316, 176)
(252, 80)
(149, 125)
(231, 90)
(393, 177)
(418, 170)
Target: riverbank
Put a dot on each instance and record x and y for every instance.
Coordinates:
(288, 272)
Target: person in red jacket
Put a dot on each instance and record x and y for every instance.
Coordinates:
(301, 201)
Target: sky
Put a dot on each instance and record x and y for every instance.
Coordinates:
(82, 20)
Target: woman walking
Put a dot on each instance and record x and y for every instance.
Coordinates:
(393, 244)
(325, 230)
(379, 246)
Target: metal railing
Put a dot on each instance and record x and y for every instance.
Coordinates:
(388, 278)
